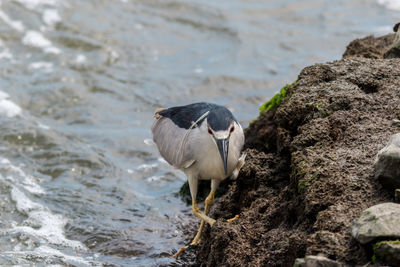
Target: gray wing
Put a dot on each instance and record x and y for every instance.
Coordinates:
(168, 138)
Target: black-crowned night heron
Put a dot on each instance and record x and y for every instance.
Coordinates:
(203, 140)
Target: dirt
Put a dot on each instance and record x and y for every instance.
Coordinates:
(309, 168)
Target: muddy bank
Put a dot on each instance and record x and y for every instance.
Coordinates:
(309, 169)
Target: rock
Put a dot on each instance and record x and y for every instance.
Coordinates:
(316, 261)
(387, 164)
(299, 262)
(321, 261)
(394, 49)
(322, 139)
(369, 47)
(397, 195)
(379, 221)
(388, 252)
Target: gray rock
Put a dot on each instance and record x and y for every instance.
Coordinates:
(387, 164)
(299, 262)
(316, 261)
(397, 195)
(394, 49)
(388, 252)
(379, 221)
(321, 261)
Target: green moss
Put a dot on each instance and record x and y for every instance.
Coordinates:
(306, 181)
(319, 108)
(374, 258)
(301, 178)
(184, 189)
(298, 171)
(277, 99)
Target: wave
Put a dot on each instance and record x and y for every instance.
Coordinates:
(390, 4)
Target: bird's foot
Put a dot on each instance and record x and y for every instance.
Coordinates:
(233, 219)
(179, 252)
(197, 212)
(195, 242)
(211, 222)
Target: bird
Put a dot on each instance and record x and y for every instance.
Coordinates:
(205, 141)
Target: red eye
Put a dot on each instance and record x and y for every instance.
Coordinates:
(209, 131)
(232, 129)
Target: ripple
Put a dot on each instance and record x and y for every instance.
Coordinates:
(36, 39)
(391, 4)
(15, 24)
(32, 4)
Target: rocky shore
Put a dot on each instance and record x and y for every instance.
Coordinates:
(309, 176)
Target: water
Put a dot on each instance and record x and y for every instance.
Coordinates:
(80, 81)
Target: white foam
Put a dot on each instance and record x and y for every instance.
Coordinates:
(80, 61)
(31, 4)
(149, 142)
(43, 126)
(41, 223)
(7, 107)
(390, 4)
(24, 204)
(51, 17)
(162, 160)
(48, 251)
(47, 66)
(198, 70)
(36, 39)
(6, 54)
(15, 24)
(146, 167)
(154, 178)
(27, 181)
(3, 95)
(48, 254)
(113, 55)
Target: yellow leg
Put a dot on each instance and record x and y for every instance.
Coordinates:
(233, 219)
(208, 203)
(196, 211)
(179, 252)
(201, 215)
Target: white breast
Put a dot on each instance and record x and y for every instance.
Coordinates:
(208, 163)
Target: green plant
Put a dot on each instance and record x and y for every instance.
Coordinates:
(374, 258)
(277, 99)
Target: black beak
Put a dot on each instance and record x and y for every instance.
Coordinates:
(223, 145)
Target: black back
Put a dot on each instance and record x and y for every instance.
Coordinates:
(219, 118)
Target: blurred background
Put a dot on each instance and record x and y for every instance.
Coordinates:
(79, 83)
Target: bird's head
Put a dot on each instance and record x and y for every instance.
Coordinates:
(220, 126)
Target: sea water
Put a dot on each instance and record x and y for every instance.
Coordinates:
(80, 182)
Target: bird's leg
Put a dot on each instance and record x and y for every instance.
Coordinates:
(196, 211)
(208, 203)
(193, 183)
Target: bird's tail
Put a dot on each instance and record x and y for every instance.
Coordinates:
(156, 115)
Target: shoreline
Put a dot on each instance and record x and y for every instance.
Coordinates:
(309, 167)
